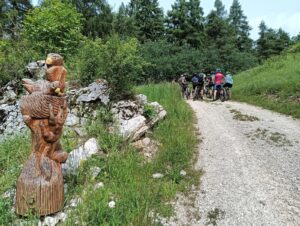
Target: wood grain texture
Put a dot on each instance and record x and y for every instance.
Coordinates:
(40, 188)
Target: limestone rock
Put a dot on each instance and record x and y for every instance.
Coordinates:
(98, 185)
(129, 119)
(53, 219)
(79, 155)
(141, 99)
(157, 175)
(95, 91)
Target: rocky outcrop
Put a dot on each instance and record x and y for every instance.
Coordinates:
(82, 105)
(131, 118)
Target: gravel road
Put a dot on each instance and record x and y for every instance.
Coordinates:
(251, 163)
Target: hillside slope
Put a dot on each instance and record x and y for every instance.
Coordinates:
(274, 85)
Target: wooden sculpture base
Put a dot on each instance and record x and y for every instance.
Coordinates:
(35, 194)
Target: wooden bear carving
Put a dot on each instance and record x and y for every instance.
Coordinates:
(40, 187)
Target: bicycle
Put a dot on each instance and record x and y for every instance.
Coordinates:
(197, 93)
(220, 95)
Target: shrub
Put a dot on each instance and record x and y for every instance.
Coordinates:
(13, 58)
(53, 27)
(116, 60)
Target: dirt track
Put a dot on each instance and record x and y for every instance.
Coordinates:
(251, 163)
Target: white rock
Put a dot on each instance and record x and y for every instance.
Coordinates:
(146, 141)
(157, 175)
(54, 219)
(95, 171)
(141, 99)
(50, 221)
(112, 204)
(182, 173)
(128, 128)
(98, 185)
(77, 156)
(9, 194)
(75, 202)
(72, 120)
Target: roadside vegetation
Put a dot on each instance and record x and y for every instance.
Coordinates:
(275, 85)
(126, 176)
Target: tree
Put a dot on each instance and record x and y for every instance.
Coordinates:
(98, 17)
(124, 24)
(53, 27)
(148, 19)
(271, 42)
(12, 13)
(220, 9)
(240, 24)
(185, 23)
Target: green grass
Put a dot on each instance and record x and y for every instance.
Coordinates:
(14, 152)
(275, 85)
(128, 179)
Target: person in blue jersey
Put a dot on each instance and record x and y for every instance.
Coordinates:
(228, 83)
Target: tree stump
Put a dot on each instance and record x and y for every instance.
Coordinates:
(40, 188)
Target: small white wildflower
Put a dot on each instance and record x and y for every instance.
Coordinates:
(112, 204)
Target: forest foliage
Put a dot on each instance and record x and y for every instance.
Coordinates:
(138, 43)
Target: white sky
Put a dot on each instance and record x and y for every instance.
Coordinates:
(276, 13)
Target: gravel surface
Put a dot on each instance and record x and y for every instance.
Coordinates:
(251, 163)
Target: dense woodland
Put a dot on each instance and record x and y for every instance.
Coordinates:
(137, 44)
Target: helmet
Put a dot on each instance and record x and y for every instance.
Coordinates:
(218, 70)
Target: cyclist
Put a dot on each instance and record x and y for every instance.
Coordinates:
(218, 81)
(198, 81)
(228, 83)
(183, 84)
(210, 84)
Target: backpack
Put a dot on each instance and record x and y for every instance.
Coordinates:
(195, 80)
(201, 78)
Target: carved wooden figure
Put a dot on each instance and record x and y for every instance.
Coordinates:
(40, 188)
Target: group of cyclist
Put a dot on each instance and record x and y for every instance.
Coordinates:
(215, 85)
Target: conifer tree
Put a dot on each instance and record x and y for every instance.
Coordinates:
(240, 24)
(149, 19)
(220, 9)
(124, 24)
(271, 42)
(12, 13)
(98, 17)
(185, 23)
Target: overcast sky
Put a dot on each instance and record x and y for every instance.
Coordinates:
(276, 13)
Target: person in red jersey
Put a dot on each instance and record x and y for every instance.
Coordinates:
(218, 81)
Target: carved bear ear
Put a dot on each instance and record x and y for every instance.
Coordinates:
(54, 59)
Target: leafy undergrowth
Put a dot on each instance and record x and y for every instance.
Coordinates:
(128, 179)
(275, 85)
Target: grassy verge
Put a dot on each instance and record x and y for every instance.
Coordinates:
(126, 177)
(274, 85)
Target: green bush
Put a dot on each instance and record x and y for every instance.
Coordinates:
(149, 111)
(116, 60)
(168, 61)
(14, 56)
(53, 27)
